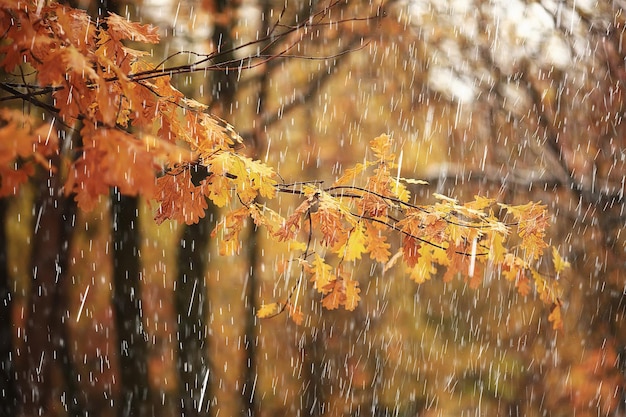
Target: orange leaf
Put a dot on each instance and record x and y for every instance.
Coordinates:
(411, 247)
(381, 146)
(120, 28)
(180, 199)
(377, 246)
(228, 231)
(555, 317)
(335, 296)
(352, 291)
(295, 313)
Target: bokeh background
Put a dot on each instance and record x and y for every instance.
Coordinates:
(513, 100)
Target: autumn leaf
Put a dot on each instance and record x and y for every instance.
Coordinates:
(352, 296)
(218, 190)
(523, 285)
(120, 28)
(497, 250)
(555, 317)
(292, 225)
(350, 174)
(480, 203)
(425, 268)
(532, 221)
(227, 231)
(377, 247)
(411, 247)
(355, 245)
(559, 263)
(322, 274)
(512, 267)
(295, 313)
(179, 200)
(267, 310)
(334, 233)
(400, 191)
(381, 146)
(335, 295)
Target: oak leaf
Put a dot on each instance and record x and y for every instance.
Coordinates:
(120, 28)
(410, 248)
(295, 313)
(352, 296)
(377, 247)
(381, 146)
(322, 275)
(555, 317)
(335, 295)
(355, 245)
(350, 174)
(559, 263)
(267, 310)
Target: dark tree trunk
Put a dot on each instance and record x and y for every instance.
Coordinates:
(136, 399)
(250, 333)
(194, 389)
(46, 334)
(8, 389)
(194, 370)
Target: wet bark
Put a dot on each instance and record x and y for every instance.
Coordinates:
(46, 334)
(194, 372)
(250, 330)
(136, 398)
(192, 309)
(8, 389)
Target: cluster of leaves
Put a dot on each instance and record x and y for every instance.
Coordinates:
(357, 214)
(181, 156)
(18, 158)
(112, 89)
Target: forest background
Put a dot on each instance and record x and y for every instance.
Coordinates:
(513, 101)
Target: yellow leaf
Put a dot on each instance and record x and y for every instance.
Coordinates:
(350, 174)
(497, 250)
(322, 275)
(261, 177)
(444, 198)
(382, 147)
(512, 267)
(413, 181)
(267, 310)
(559, 263)
(480, 203)
(355, 245)
(400, 191)
(424, 269)
(218, 190)
(228, 231)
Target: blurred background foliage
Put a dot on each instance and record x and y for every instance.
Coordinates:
(513, 100)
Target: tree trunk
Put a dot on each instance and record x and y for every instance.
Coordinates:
(136, 399)
(194, 389)
(46, 334)
(194, 371)
(8, 389)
